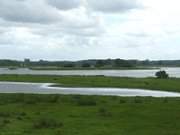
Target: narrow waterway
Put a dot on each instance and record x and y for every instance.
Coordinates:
(45, 88)
(173, 72)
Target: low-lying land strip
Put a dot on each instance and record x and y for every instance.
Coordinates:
(171, 84)
(93, 68)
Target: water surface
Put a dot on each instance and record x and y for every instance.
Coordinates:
(173, 72)
(44, 88)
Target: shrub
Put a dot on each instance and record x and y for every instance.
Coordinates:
(104, 112)
(4, 122)
(53, 98)
(55, 79)
(19, 118)
(165, 100)
(86, 102)
(76, 97)
(137, 100)
(20, 115)
(122, 101)
(31, 99)
(114, 98)
(47, 123)
(4, 114)
(162, 75)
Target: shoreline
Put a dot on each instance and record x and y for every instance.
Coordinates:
(50, 88)
(171, 84)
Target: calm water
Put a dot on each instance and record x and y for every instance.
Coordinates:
(173, 72)
(44, 88)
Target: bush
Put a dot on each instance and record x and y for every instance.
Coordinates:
(31, 99)
(4, 122)
(162, 75)
(53, 98)
(122, 101)
(5, 114)
(86, 102)
(165, 100)
(138, 100)
(47, 123)
(104, 112)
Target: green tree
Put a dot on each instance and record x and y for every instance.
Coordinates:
(162, 74)
(99, 63)
(86, 65)
(121, 63)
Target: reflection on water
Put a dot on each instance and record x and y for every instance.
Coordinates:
(44, 88)
(173, 72)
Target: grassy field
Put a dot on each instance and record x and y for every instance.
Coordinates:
(88, 115)
(171, 84)
(27, 114)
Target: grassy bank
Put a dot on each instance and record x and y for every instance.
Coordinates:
(88, 115)
(171, 84)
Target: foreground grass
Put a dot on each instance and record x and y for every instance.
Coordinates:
(172, 84)
(88, 115)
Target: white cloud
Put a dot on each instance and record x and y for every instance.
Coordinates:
(113, 6)
(65, 4)
(76, 30)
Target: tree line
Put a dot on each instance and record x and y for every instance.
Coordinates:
(98, 63)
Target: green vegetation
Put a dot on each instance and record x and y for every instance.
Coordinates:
(162, 75)
(170, 84)
(85, 67)
(22, 114)
(92, 63)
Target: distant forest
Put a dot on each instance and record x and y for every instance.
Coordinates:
(93, 63)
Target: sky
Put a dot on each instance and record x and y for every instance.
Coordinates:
(89, 29)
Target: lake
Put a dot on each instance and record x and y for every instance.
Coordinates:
(44, 88)
(173, 72)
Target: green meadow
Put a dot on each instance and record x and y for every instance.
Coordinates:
(88, 115)
(28, 114)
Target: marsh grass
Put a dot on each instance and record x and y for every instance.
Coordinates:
(89, 115)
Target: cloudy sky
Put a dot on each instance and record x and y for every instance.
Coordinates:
(86, 29)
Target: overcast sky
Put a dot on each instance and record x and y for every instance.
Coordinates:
(87, 29)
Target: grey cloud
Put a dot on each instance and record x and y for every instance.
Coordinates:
(85, 32)
(59, 31)
(43, 11)
(113, 6)
(64, 4)
(27, 11)
(82, 25)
